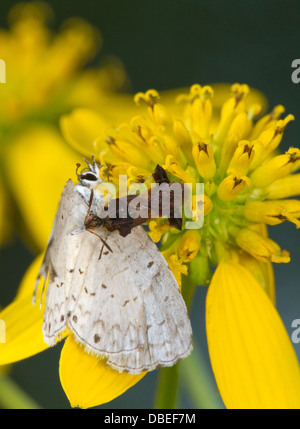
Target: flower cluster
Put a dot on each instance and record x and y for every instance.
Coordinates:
(247, 184)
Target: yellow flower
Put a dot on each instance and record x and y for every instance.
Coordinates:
(252, 358)
(45, 77)
(247, 186)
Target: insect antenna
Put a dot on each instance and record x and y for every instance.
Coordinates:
(86, 223)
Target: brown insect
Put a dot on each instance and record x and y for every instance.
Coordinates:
(150, 205)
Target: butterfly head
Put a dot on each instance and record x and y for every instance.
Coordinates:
(89, 176)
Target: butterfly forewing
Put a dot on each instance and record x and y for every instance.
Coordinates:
(61, 254)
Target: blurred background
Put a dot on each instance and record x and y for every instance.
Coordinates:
(164, 45)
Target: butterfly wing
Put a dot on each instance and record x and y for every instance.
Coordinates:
(127, 306)
(60, 256)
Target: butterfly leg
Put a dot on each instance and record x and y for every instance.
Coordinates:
(104, 244)
(103, 241)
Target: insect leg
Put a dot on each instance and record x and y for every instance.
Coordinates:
(103, 241)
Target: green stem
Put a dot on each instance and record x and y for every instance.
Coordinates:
(193, 373)
(13, 397)
(188, 290)
(166, 393)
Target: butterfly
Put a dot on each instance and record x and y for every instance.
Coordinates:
(125, 306)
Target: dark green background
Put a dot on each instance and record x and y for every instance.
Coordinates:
(167, 44)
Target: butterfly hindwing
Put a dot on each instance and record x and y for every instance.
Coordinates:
(128, 307)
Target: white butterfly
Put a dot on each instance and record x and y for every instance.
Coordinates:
(125, 306)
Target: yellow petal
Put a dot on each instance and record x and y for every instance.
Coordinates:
(23, 322)
(253, 360)
(5, 214)
(262, 271)
(86, 379)
(28, 281)
(82, 128)
(38, 164)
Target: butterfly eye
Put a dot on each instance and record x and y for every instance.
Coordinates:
(88, 176)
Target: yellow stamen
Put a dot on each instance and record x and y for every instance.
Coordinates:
(269, 140)
(173, 167)
(232, 185)
(290, 206)
(270, 212)
(239, 130)
(121, 148)
(242, 157)
(260, 247)
(203, 156)
(183, 138)
(275, 168)
(150, 97)
(285, 187)
(157, 229)
(189, 245)
(267, 121)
